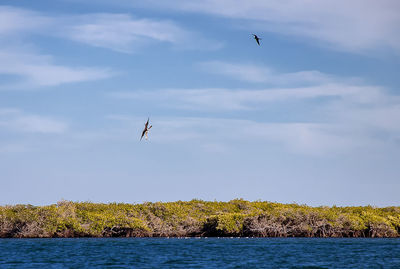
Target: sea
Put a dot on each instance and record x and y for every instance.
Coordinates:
(200, 253)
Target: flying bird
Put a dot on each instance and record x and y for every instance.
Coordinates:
(257, 39)
(146, 129)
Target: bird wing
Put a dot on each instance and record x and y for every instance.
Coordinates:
(144, 131)
(150, 127)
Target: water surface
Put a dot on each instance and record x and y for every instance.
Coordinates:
(200, 253)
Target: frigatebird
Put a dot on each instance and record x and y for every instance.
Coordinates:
(257, 39)
(146, 129)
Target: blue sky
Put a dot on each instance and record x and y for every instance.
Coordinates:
(311, 116)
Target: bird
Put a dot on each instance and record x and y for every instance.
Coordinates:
(257, 39)
(146, 129)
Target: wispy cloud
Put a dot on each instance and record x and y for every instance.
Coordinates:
(221, 135)
(342, 114)
(123, 33)
(263, 74)
(16, 20)
(20, 121)
(349, 25)
(245, 99)
(18, 57)
(38, 70)
(337, 136)
(115, 31)
(118, 32)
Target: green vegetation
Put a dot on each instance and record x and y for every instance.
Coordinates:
(197, 218)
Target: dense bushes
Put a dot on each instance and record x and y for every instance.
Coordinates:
(197, 218)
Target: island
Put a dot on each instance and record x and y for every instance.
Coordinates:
(197, 218)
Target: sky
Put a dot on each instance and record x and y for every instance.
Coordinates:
(312, 116)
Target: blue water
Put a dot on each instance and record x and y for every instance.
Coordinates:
(200, 253)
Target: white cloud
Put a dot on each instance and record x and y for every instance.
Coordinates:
(264, 74)
(119, 32)
(39, 70)
(244, 99)
(343, 115)
(379, 117)
(123, 33)
(350, 25)
(220, 135)
(115, 31)
(19, 121)
(13, 20)
(33, 69)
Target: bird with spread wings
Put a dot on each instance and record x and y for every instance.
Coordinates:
(257, 39)
(146, 129)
